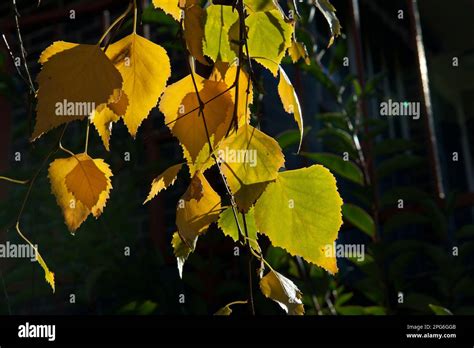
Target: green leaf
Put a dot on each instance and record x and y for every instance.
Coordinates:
(407, 193)
(438, 310)
(359, 218)
(339, 134)
(392, 146)
(337, 119)
(301, 212)
(269, 36)
(218, 21)
(290, 137)
(398, 163)
(337, 165)
(228, 226)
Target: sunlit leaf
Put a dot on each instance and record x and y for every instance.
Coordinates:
(145, 68)
(197, 209)
(75, 212)
(283, 291)
(72, 83)
(301, 212)
(290, 101)
(163, 181)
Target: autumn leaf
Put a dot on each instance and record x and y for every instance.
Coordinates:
(197, 209)
(163, 181)
(72, 83)
(145, 68)
(283, 291)
(75, 212)
(107, 114)
(224, 73)
(249, 157)
(171, 7)
(85, 181)
(301, 212)
(227, 310)
(290, 101)
(182, 251)
(194, 31)
(298, 51)
(55, 47)
(180, 106)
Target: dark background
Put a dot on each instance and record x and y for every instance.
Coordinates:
(413, 251)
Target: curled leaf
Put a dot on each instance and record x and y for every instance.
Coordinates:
(283, 291)
(163, 181)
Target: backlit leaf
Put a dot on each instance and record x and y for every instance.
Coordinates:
(283, 291)
(86, 181)
(163, 181)
(145, 68)
(249, 157)
(171, 7)
(290, 101)
(269, 36)
(182, 251)
(74, 211)
(298, 51)
(180, 105)
(78, 80)
(197, 209)
(301, 212)
(218, 21)
(229, 227)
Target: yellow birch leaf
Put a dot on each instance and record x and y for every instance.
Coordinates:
(297, 50)
(105, 115)
(145, 68)
(197, 209)
(249, 157)
(181, 251)
(290, 101)
(194, 31)
(72, 83)
(85, 181)
(55, 47)
(163, 181)
(74, 211)
(283, 291)
(180, 105)
(170, 7)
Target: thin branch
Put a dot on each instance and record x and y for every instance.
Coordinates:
(22, 48)
(14, 63)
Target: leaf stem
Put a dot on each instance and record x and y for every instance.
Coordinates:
(15, 181)
(87, 136)
(119, 19)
